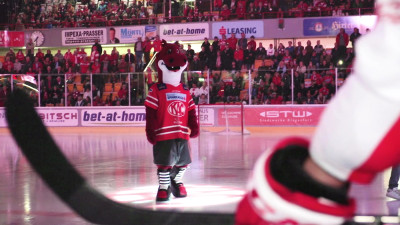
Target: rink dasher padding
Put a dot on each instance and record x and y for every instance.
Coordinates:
(211, 117)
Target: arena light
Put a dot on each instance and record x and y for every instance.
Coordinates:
(340, 62)
(198, 196)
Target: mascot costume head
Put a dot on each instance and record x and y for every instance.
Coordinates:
(170, 63)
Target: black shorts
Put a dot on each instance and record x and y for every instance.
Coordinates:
(173, 152)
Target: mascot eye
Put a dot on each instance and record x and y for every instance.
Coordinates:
(169, 51)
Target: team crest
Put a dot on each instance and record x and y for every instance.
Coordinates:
(177, 108)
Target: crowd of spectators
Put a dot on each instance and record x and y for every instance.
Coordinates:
(227, 59)
(313, 66)
(38, 14)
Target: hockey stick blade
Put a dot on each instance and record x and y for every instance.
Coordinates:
(48, 161)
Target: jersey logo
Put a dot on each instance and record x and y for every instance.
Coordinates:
(176, 96)
(177, 108)
(151, 90)
(161, 86)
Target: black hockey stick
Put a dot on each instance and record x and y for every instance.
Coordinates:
(47, 160)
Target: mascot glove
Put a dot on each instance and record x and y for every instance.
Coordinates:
(193, 125)
(194, 132)
(151, 137)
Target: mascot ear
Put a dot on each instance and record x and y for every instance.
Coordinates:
(163, 43)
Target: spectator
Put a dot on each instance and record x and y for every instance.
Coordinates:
(84, 66)
(309, 49)
(342, 40)
(335, 53)
(95, 55)
(225, 13)
(47, 62)
(226, 58)
(96, 67)
(87, 93)
(242, 43)
(203, 57)
(20, 56)
(4, 92)
(17, 66)
(281, 50)
(30, 47)
(11, 55)
(301, 68)
(37, 66)
(239, 56)
(252, 43)
(98, 46)
(251, 11)
(147, 46)
(204, 90)
(80, 101)
(354, 36)
(190, 54)
(60, 56)
(249, 57)
(54, 96)
(157, 44)
(298, 49)
(290, 48)
(139, 53)
(232, 41)
(49, 55)
(195, 93)
(260, 52)
(123, 91)
(206, 45)
(222, 43)
(123, 67)
(275, 99)
(270, 51)
(40, 55)
(281, 68)
(130, 60)
(287, 57)
(104, 62)
(202, 99)
(68, 56)
(318, 48)
(241, 11)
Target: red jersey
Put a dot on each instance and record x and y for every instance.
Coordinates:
(20, 56)
(252, 45)
(95, 56)
(40, 55)
(173, 105)
(147, 46)
(222, 44)
(238, 55)
(324, 91)
(84, 67)
(232, 42)
(157, 45)
(67, 56)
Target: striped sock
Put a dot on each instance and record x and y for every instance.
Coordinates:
(179, 176)
(164, 179)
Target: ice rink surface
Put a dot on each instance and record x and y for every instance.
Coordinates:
(118, 163)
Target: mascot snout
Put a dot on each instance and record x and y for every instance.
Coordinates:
(170, 64)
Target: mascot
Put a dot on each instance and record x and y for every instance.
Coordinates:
(170, 121)
(297, 183)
